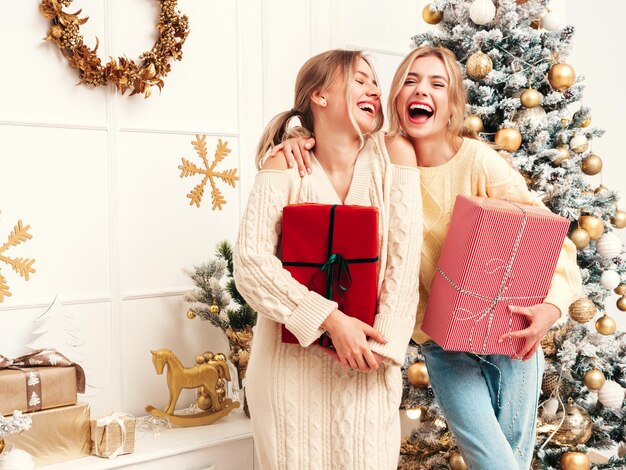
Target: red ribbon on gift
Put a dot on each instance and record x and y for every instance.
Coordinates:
(41, 358)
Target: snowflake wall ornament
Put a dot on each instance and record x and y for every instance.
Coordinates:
(22, 266)
(210, 175)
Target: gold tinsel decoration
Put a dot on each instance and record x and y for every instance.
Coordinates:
(190, 169)
(124, 73)
(22, 266)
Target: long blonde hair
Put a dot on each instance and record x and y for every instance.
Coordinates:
(316, 74)
(456, 91)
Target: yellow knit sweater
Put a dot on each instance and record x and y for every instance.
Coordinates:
(478, 170)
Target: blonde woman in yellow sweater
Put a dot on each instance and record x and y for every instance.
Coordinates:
(315, 408)
(491, 410)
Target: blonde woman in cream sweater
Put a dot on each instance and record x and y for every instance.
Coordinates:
(491, 410)
(315, 408)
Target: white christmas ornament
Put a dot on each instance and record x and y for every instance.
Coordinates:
(550, 407)
(482, 11)
(610, 280)
(611, 394)
(16, 459)
(579, 143)
(551, 21)
(609, 245)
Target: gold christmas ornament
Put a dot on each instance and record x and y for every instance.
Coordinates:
(203, 402)
(473, 123)
(561, 77)
(562, 154)
(575, 461)
(191, 315)
(214, 309)
(190, 169)
(582, 310)
(600, 189)
(508, 139)
(579, 143)
(611, 395)
(124, 73)
(621, 303)
(530, 98)
(591, 164)
(586, 122)
(200, 359)
(576, 428)
(620, 290)
(456, 462)
(479, 65)
(609, 245)
(22, 266)
(619, 219)
(593, 225)
(482, 12)
(605, 325)
(219, 357)
(580, 237)
(549, 383)
(417, 374)
(208, 356)
(431, 17)
(594, 379)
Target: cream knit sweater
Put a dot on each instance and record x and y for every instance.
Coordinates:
(309, 412)
(477, 170)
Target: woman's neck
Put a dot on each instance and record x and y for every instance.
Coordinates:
(336, 151)
(435, 151)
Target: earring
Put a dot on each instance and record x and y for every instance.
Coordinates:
(323, 102)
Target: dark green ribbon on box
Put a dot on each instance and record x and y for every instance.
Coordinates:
(336, 269)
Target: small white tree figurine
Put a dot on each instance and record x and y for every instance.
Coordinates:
(12, 458)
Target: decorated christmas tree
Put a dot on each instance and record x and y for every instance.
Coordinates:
(524, 97)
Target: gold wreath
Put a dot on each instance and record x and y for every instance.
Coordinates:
(124, 73)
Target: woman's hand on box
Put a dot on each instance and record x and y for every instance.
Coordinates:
(541, 318)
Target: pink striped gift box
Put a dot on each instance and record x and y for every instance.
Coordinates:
(497, 253)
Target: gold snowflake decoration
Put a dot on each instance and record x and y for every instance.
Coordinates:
(22, 266)
(190, 169)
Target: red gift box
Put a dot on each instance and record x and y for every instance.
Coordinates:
(497, 253)
(333, 250)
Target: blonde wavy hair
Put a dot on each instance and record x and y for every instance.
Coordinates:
(316, 74)
(456, 91)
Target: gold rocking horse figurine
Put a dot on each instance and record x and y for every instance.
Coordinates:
(207, 376)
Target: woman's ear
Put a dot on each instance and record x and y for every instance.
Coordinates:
(318, 98)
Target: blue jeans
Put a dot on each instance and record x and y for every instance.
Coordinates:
(492, 414)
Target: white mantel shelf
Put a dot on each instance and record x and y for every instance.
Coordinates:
(225, 445)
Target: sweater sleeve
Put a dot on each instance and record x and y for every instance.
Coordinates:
(397, 305)
(502, 181)
(260, 277)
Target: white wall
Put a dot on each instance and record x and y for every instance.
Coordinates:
(95, 173)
